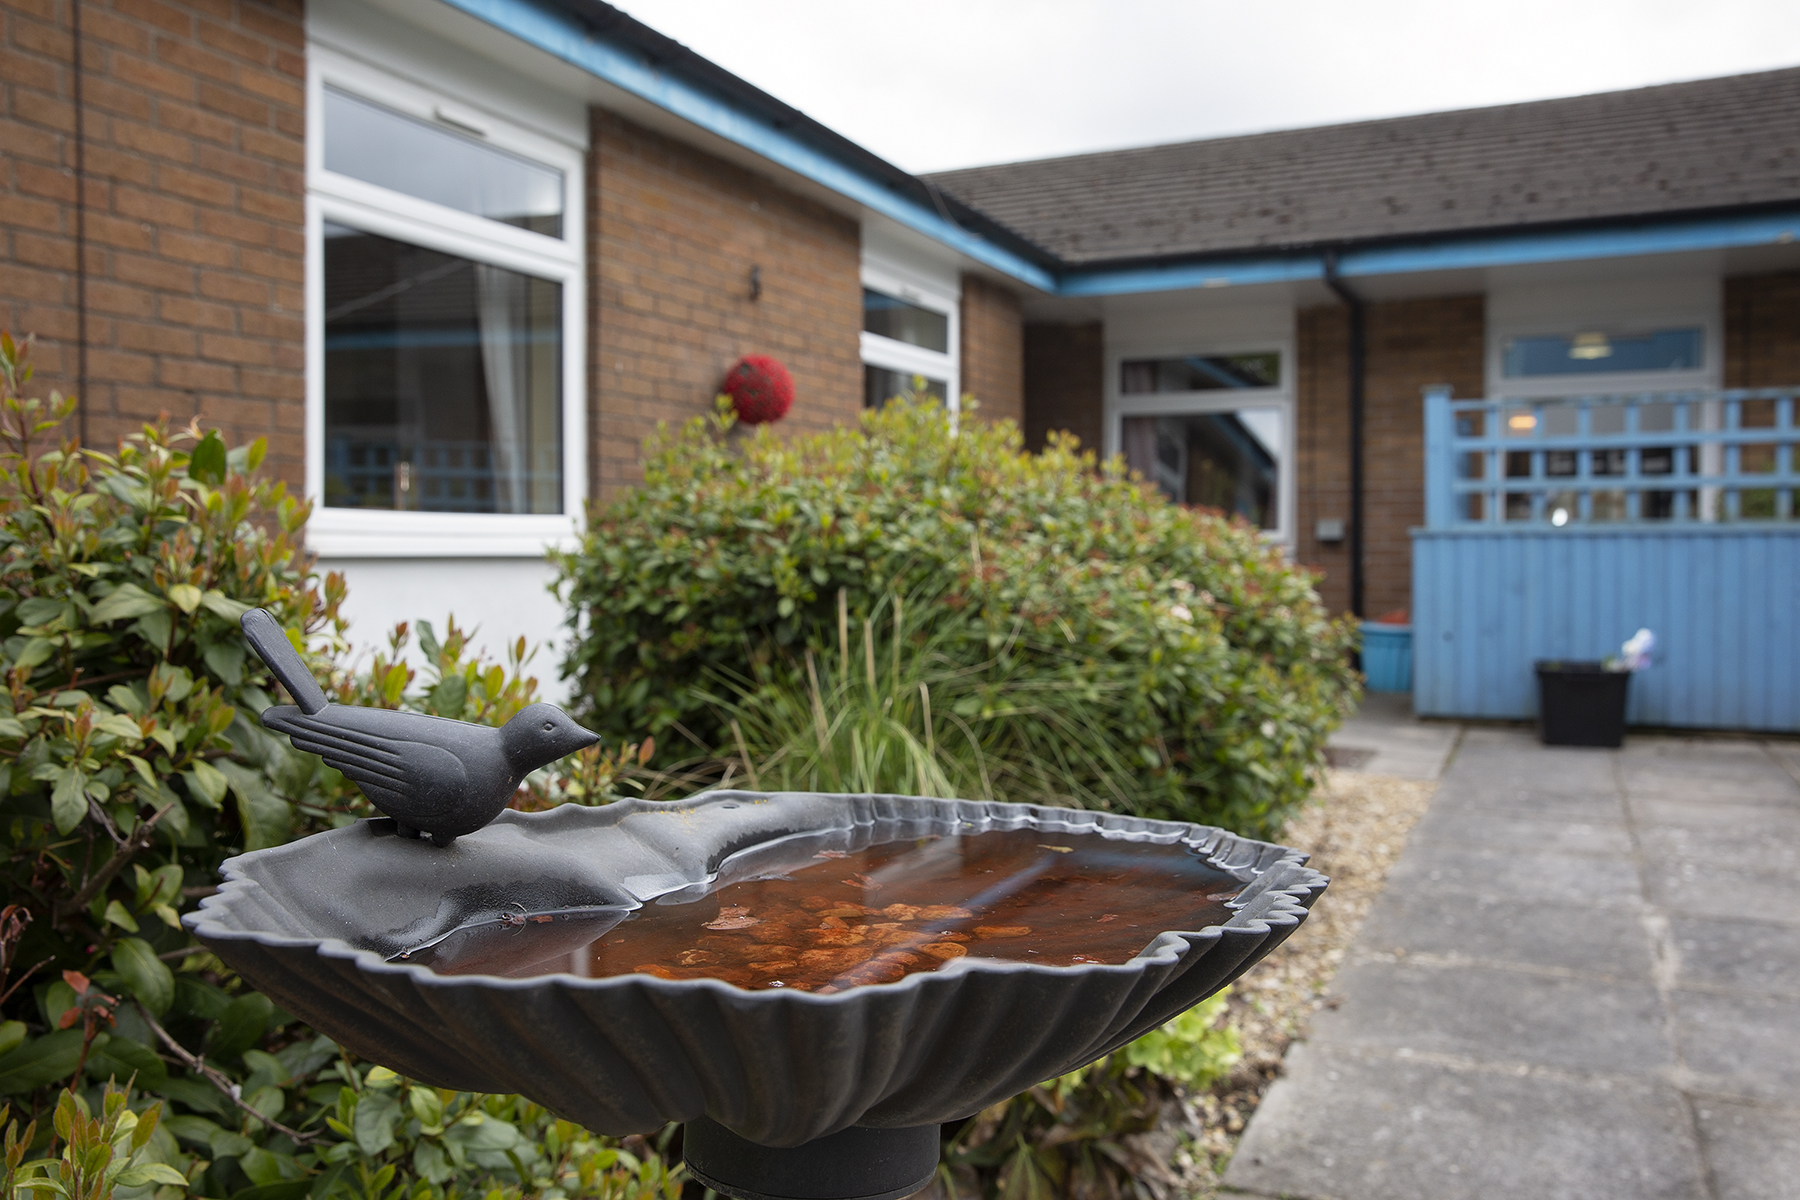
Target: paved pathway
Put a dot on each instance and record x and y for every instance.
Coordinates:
(1582, 981)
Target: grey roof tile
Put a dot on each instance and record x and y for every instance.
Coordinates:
(1684, 147)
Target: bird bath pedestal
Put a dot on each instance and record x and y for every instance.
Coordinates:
(379, 942)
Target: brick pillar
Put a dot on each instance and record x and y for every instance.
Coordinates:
(993, 350)
(194, 128)
(1064, 366)
(1412, 343)
(1322, 440)
(1762, 330)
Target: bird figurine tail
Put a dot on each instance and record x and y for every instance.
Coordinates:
(266, 637)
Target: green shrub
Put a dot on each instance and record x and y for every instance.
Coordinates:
(1064, 595)
(1082, 1135)
(131, 765)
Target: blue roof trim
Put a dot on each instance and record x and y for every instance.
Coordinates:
(1452, 254)
(1230, 272)
(558, 34)
(1614, 241)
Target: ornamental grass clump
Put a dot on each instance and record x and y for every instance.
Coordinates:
(1092, 643)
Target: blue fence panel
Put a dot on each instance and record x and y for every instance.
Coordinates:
(1557, 528)
(1724, 602)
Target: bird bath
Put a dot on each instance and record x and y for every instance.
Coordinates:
(812, 1049)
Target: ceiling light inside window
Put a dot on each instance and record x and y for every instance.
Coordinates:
(1590, 345)
(1521, 421)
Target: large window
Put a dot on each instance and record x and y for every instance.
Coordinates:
(908, 341)
(443, 381)
(444, 325)
(1212, 430)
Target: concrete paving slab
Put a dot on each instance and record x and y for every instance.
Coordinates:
(1507, 833)
(1750, 821)
(1396, 741)
(1506, 799)
(1747, 955)
(1347, 1128)
(1498, 874)
(1740, 1044)
(1690, 890)
(1602, 941)
(1719, 848)
(1785, 751)
(1738, 770)
(1581, 989)
(1752, 1150)
(1499, 1016)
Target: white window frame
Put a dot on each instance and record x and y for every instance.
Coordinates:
(908, 359)
(339, 199)
(1118, 406)
(1712, 342)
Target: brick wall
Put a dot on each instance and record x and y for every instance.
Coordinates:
(194, 125)
(1762, 330)
(993, 349)
(673, 235)
(1064, 368)
(1411, 343)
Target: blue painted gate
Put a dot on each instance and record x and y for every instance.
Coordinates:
(1557, 528)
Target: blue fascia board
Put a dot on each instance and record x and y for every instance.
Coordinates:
(1234, 272)
(1452, 254)
(557, 34)
(1617, 241)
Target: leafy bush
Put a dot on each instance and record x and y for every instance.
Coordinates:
(131, 765)
(1102, 1131)
(1062, 595)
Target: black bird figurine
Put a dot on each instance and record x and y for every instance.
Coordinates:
(431, 774)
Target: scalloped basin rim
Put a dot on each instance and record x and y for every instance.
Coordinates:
(310, 924)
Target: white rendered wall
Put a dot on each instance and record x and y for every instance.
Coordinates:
(504, 598)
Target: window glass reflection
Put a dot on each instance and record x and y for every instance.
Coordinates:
(1223, 460)
(377, 145)
(1600, 353)
(881, 385)
(892, 317)
(1199, 373)
(443, 381)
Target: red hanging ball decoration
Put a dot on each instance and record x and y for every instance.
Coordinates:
(760, 389)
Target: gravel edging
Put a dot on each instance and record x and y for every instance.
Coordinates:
(1355, 830)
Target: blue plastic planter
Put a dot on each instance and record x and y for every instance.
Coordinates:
(1387, 656)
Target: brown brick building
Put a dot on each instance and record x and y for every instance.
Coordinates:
(455, 267)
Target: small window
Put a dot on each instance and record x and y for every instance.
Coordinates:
(892, 317)
(1199, 373)
(443, 381)
(377, 145)
(1597, 353)
(1229, 460)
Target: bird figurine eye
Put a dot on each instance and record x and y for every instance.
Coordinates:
(548, 726)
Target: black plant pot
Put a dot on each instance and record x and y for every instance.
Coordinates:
(1581, 704)
(314, 923)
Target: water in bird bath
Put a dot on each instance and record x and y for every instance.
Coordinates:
(823, 920)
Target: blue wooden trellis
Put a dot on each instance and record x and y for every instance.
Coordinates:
(1556, 528)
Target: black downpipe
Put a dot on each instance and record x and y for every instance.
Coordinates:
(1359, 346)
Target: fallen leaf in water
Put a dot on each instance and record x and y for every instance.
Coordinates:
(832, 854)
(1058, 849)
(738, 921)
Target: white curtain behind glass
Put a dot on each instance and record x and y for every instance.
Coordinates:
(506, 365)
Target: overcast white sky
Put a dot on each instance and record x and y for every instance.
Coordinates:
(933, 84)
